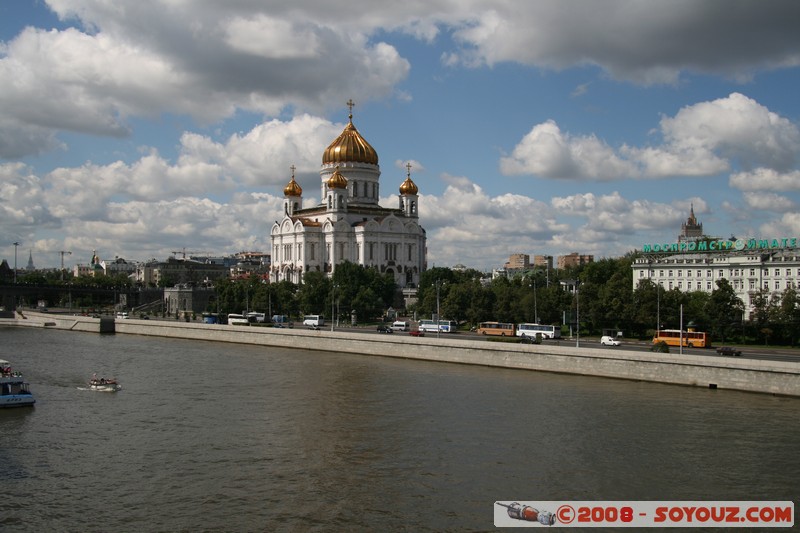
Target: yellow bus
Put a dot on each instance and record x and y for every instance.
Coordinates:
(496, 328)
(691, 339)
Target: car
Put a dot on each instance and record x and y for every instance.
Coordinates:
(729, 350)
(385, 329)
(416, 333)
(607, 340)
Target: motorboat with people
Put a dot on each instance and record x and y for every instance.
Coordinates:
(104, 384)
(14, 390)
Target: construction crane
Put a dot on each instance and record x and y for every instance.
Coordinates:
(185, 251)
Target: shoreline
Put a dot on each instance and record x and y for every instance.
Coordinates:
(750, 375)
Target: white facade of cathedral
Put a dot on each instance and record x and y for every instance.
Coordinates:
(348, 224)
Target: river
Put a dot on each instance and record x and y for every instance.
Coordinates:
(212, 436)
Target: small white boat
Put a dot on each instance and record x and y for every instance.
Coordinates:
(104, 384)
(14, 390)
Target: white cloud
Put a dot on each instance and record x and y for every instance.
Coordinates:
(546, 151)
(766, 179)
(703, 139)
(736, 127)
(770, 202)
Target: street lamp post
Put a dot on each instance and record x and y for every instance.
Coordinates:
(575, 284)
(535, 306)
(438, 285)
(15, 262)
(333, 299)
(578, 313)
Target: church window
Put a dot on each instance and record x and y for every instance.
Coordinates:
(330, 204)
(366, 195)
(413, 207)
(311, 254)
(371, 248)
(410, 248)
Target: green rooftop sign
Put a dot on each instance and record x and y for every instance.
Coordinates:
(721, 245)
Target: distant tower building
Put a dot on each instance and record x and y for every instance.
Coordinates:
(30, 267)
(573, 260)
(691, 230)
(518, 262)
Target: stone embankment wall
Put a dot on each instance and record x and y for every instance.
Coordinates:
(775, 377)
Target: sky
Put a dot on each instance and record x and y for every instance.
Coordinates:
(142, 129)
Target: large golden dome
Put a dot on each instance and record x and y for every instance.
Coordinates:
(350, 147)
(337, 181)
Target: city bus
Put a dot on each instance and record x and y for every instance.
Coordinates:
(496, 328)
(444, 326)
(691, 339)
(547, 332)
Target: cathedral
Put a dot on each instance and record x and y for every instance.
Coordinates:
(349, 224)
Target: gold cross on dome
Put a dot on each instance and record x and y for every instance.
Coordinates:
(351, 104)
(408, 168)
(293, 168)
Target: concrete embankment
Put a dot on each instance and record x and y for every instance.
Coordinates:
(773, 377)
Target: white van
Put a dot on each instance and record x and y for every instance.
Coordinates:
(400, 325)
(606, 340)
(314, 321)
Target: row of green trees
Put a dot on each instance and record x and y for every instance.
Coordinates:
(599, 294)
(353, 290)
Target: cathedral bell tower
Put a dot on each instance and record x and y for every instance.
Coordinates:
(336, 192)
(293, 196)
(409, 200)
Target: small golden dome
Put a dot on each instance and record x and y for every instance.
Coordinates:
(350, 146)
(293, 188)
(408, 187)
(337, 181)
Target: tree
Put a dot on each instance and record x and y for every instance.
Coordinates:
(789, 314)
(724, 310)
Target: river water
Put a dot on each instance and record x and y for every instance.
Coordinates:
(211, 436)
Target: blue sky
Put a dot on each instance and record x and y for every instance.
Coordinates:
(544, 127)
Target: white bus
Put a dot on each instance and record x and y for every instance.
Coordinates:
(314, 321)
(237, 319)
(444, 326)
(530, 330)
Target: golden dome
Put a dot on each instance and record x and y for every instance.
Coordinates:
(293, 188)
(337, 181)
(350, 146)
(408, 187)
